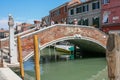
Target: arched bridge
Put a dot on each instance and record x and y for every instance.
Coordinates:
(80, 35)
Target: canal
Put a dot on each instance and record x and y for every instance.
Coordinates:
(90, 68)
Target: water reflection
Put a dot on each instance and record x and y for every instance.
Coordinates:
(80, 69)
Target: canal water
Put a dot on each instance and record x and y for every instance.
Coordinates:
(79, 69)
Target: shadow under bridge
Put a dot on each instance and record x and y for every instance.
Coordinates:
(88, 48)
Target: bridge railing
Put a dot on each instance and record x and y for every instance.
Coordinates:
(45, 33)
(20, 34)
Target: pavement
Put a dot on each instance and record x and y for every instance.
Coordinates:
(8, 74)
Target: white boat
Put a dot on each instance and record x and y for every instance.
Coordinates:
(63, 48)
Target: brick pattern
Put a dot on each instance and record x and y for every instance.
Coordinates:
(57, 32)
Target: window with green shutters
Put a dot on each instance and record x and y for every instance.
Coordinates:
(80, 22)
(85, 8)
(95, 5)
(78, 9)
(96, 22)
(71, 11)
(85, 22)
(81, 9)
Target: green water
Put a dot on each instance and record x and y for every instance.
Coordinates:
(80, 69)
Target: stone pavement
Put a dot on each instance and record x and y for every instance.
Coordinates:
(8, 74)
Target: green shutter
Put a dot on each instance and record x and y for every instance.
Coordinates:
(80, 22)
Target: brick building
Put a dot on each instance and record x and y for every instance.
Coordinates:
(4, 33)
(110, 15)
(23, 27)
(47, 20)
(59, 14)
(87, 13)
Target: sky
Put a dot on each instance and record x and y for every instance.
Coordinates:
(26, 10)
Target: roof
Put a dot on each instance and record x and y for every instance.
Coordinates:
(4, 31)
(80, 3)
(72, 2)
(59, 7)
(25, 25)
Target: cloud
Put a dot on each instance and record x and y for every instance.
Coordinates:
(4, 23)
(23, 19)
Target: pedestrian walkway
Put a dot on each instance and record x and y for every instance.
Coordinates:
(8, 74)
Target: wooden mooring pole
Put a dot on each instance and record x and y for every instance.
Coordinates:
(20, 57)
(113, 56)
(1, 55)
(36, 56)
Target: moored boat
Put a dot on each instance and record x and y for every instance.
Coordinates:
(63, 48)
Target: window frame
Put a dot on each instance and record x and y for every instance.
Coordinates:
(72, 12)
(105, 1)
(95, 5)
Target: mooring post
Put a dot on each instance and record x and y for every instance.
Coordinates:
(113, 56)
(20, 57)
(1, 54)
(36, 56)
(75, 55)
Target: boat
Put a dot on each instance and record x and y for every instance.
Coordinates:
(64, 48)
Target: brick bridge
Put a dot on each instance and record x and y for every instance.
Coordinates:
(60, 32)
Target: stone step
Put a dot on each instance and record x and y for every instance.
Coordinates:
(8, 74)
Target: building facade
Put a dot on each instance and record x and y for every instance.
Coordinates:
(110, 15)
(47, 20)
(23, 27)
(4, 33)
(87, 13)
(59, 14)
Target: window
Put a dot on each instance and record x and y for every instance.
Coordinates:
(81, 9)
(105, 16)
(2, 35)
(57, 12)
(106, 1)
(95, 5)
(65, 9)
(80, 22)
(96, 22)
(71, 11)
(85, 8)
(78, 9)
(85, 22)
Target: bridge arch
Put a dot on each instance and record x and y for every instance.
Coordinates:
(41, 47)
(61, 32)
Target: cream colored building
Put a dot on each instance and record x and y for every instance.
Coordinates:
(87, 13)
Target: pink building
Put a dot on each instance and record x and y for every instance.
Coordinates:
(59, 14)
(110, 15)
(23, 27)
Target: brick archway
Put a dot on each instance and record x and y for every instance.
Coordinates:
(58, 33)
